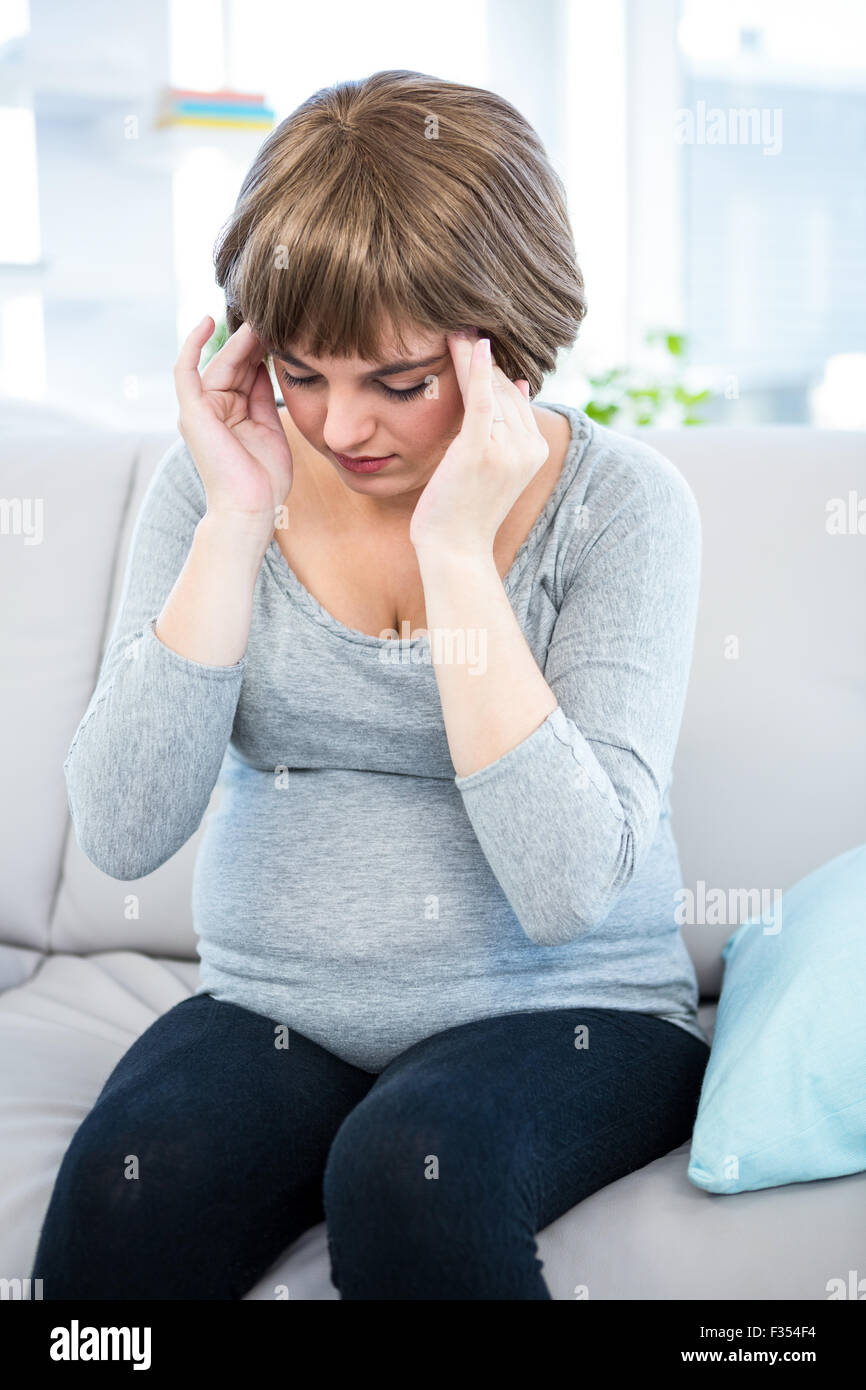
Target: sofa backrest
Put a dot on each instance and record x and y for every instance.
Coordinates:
(770, 770)
(771, 765)
(90, 484)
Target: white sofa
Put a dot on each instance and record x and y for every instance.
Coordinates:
(768, 784)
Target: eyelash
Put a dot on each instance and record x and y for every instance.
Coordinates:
(410, 394)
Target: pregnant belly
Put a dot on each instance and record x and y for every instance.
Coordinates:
(361, 867)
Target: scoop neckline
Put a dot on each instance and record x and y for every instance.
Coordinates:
(581, 434)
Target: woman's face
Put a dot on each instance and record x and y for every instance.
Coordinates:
(406, 408)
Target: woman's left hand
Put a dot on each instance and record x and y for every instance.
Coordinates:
(487, 465)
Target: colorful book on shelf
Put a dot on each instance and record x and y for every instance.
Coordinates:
(223, 109)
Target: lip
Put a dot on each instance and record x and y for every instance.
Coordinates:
(363, 465)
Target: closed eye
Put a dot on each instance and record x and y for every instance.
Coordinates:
(409, 394)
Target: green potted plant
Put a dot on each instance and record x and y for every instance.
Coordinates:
(636, 396)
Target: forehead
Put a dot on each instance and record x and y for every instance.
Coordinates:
(417, 342)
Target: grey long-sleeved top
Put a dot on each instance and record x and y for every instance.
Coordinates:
(348, 884)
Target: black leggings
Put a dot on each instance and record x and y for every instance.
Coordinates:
(210, 1149)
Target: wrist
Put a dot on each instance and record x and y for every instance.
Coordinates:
(236, 534)
(255, 527)
(436, 558)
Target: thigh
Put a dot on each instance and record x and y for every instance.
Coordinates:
(200, 1161)
(546, 1107)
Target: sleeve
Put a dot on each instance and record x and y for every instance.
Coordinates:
(566, 817)
(147, 753)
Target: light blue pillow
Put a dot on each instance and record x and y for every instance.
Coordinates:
(784, 1093)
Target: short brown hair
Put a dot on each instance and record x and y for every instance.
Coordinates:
(401, 194)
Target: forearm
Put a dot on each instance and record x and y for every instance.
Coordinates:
(206, 617)
(491, 704)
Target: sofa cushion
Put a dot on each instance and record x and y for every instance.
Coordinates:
(651, 1234)
(17, 964)
(61, 1034)
(784, 1094)
(654, 1235)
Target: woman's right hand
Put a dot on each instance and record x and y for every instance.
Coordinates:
(229, 421)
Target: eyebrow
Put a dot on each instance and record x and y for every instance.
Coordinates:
(392, 369)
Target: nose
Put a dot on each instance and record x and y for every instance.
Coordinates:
(349, 424)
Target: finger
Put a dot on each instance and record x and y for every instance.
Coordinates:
(245, 385)
(480, 400)
(461, 353)
(262, 407)
(187, 381)
(511, 392)
(504, 401)
(237, 360)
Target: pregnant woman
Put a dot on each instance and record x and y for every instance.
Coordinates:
(433, 639)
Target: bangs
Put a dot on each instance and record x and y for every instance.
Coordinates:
(328, 275)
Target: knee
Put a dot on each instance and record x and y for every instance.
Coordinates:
(121, 1188)
(95, 1171)
(424, 1201)
(407, 1168)
(82, 1219)
(397, 1155)
(384, 1201)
